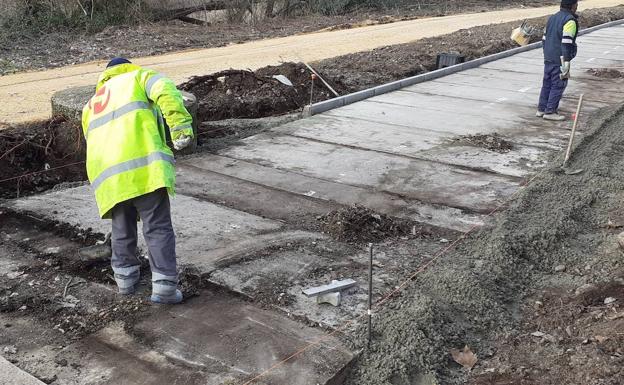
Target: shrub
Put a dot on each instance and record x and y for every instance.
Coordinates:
(42, 16)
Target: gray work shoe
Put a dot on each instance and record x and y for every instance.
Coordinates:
(554, 117)
(127, 279)
(165, 289)
(539, 114)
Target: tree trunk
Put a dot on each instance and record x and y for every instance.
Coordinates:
(173, 14)
(268, 12)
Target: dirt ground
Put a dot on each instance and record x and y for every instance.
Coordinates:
(537, 296)
(58, 49)
(566, 337)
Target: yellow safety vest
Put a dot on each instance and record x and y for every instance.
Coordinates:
(127, 154)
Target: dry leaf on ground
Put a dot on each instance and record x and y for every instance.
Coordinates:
(465, 358)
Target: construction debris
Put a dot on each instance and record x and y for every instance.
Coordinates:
(492, 142)
(335, 286)
(606, 73)
(330, 298)
(361, 224)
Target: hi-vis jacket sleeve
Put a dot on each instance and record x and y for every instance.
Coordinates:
(162, 91)
(568, 47)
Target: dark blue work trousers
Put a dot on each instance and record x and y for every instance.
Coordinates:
(552, 89)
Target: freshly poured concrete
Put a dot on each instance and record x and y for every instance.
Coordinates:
(400, 153)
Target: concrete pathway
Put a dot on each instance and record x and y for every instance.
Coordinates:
(26, 96)
(239, 211)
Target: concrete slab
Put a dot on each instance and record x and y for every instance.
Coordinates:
(434, 183)
(519, 65)
(472, 109)
(324, 190)
(575, 87)
(213, 339)
(496, 99)
(114, 357)
(12, 375)
(203, 230)
(527, 130)
(244, 340)
(248, 196)
(422, 143)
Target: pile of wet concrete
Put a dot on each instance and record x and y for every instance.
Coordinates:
(470, 294)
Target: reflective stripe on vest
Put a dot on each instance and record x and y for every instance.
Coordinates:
(182, 127)
(130, 165)
(150, 83)
(101, 121)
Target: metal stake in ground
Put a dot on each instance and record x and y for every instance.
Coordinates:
(333, 91)
(370, 294)
(569, 150)
(313, 77)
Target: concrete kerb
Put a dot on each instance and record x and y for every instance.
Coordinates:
(344, 100)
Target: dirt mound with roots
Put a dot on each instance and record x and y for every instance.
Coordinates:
(255, 94)
(37, 156)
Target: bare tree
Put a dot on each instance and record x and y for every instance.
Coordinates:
(268, 11)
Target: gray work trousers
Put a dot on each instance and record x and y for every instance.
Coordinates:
(155, 212)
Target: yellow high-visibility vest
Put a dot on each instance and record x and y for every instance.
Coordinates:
(127, 154)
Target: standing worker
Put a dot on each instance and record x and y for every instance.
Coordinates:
(559, 50)
(131, 169)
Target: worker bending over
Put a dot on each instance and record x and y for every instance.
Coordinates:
(559, 50)
(131, 169)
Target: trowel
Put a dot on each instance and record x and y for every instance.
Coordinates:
(100, 252)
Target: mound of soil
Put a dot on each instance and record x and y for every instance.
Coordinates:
(33, 157)
(360, 224)
(607, 73)
(491, 142)
(246, 94)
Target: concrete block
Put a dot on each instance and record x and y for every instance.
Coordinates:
(333, 299)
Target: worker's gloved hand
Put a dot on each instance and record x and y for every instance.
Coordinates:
(182, 142)
(565, 70)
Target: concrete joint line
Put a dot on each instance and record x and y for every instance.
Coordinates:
(344, 100)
